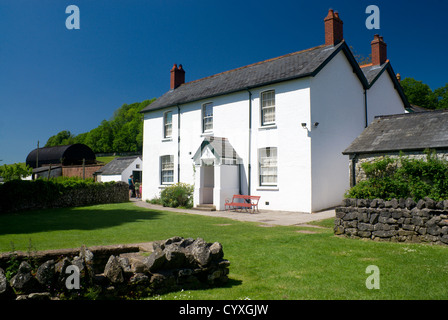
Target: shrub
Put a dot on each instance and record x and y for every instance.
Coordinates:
(403, 178)
(16, 195)
(177, 195)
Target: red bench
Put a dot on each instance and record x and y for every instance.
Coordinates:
(243, 201)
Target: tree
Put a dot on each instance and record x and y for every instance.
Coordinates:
(442, 97)
(15, 172)
(419, 93)
(62, 138)
(122, 133)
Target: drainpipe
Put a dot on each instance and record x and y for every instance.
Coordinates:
(365, 108)
(354, 162)
(178, 143)
(250, 143)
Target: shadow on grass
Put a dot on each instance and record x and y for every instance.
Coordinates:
(78, 218)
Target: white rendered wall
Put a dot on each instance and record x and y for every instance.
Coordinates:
(337, 104)
(292, 107)
(383, 99)
(132, 167)
(231, 120)
(111, 177)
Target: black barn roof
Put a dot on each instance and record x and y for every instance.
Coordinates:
(67, 155)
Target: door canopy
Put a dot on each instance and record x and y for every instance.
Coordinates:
(216, 151)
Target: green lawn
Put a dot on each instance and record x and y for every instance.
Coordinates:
(266, 262)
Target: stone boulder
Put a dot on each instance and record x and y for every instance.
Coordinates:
(46, 274)
(113, 270)
(24, 281)
(6, 292)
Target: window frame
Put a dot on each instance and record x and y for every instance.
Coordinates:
(163, 170)
(266, 150)
(166, 124)
(204, 117)
(263, 108)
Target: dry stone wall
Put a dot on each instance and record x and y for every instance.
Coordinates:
(174, 264)
(402, 220)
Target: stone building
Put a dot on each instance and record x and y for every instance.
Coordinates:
(409, 134)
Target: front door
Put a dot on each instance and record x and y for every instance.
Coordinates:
(208, 183)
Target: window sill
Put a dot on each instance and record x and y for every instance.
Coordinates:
(163, 186)
(267, 188)
(268, 127)
(207, 134)
(167, 139)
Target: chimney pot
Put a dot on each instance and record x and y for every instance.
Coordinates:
(333, 28)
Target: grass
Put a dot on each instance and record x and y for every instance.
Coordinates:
(106, 159)
(266, 262)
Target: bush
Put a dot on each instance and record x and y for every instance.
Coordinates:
(177, 195)
(17, 195)
(403, 178)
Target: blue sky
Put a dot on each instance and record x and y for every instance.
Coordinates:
(54, 79)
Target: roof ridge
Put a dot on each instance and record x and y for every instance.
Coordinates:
(256, 63)
(411, 114)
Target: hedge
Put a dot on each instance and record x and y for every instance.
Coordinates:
(17, 195)
(389, 178)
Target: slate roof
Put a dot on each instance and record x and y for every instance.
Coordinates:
(373, 72)
(291, 66)
(117, 165)
(403, 132)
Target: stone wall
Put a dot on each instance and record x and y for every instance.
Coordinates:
(173, 264)
(357, 174)
(401, 220)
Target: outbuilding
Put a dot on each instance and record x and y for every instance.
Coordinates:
(119, 169)
(409, 134)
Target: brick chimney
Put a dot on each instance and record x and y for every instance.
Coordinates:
(379, 50)
(333, 28)
(177, 76)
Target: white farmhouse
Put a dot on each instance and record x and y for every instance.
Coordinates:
(274, 129)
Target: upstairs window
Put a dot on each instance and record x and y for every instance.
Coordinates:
(268, 166)
(167, 169)
(267, 107)
(207, 117)
(168, 124)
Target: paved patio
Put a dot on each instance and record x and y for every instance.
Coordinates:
(266, 217)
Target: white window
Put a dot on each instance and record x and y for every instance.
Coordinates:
(267, 102)
(268, 166)
(207, 117)
(167, 169)
(167, 124)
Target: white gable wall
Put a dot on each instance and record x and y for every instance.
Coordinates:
(337, 103)
(132, 167)
(383, 99)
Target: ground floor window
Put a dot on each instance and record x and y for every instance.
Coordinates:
(167, 169)
(267, 159)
